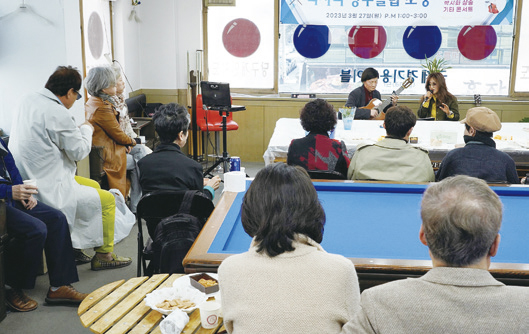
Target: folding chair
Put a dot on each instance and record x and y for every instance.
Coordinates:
(159, 204)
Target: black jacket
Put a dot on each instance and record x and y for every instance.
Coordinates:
(167, 168)
(357, 98)
(479, 160)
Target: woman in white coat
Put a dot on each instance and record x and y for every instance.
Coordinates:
(46, 144)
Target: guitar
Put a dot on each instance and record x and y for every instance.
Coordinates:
(380, 106)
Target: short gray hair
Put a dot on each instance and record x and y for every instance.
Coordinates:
(117, 71)
(100, 78)
(461, 217)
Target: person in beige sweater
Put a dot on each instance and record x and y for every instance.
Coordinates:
(461, 218)
(286, 282)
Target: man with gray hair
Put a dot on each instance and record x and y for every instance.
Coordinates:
(461, 218)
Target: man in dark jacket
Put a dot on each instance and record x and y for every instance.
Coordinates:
(35, 227)
(479, 157)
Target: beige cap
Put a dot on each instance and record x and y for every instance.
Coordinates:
(482, 119)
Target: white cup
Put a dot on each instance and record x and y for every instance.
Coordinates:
(235, 181)
(30, 182)
(209, 314)
(142, 139)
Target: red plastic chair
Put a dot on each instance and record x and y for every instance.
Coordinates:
(211, 121)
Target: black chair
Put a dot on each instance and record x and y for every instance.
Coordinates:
(326, 175)
(159, 204)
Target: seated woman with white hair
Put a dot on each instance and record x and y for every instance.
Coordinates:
(138, 151)
(101, 113)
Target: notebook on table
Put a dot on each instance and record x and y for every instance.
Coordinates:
(216, 96)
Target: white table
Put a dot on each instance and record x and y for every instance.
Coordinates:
(438, 137)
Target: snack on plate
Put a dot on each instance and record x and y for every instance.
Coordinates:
(204, 283)
(175, 303)
(207, 282)
(504, 137)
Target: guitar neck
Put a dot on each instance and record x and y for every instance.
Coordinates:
(384, 104)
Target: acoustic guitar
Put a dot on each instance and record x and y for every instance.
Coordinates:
(380, 106)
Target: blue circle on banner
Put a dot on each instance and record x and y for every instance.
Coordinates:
(422, 41)
(312, 41)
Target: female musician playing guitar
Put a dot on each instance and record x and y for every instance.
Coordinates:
(363, 95)
(438, 102)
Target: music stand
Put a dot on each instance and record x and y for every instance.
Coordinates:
(216, 96)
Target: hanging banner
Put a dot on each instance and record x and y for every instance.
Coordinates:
(397, 12)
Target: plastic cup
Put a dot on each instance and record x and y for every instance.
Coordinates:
(347, 123)
(209, 314)
(30, 182)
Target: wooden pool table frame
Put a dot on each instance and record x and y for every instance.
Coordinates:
(370, 271)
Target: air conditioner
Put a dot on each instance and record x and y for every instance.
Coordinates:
(210, 3)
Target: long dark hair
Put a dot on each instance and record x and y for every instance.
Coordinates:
(443, 96)
(281, 202)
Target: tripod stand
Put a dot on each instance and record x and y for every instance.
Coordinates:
(225, 158)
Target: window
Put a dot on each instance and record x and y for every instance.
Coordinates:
(333, 58)
(479, 56)
(241, 44)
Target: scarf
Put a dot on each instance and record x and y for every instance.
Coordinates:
(480, 138)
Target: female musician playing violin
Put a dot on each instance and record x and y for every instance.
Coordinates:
(361, 96)
(438, 102)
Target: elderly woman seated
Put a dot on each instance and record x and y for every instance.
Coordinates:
(138, 151)
(286, 282)
(102, 114)
(316, 151)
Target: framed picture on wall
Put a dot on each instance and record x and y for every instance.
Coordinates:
(97, 33)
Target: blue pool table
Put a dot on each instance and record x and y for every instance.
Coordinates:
(376, 225)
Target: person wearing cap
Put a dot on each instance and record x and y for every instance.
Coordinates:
(361, 96)
(479, 157)
(393, 158)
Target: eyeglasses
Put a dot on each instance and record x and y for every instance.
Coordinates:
(79, 96)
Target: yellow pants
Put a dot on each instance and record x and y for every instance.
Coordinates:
(108, 208)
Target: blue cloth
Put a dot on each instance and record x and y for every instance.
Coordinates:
(7, 163)
(42, 227)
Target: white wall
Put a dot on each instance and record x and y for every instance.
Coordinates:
(31, 49)
(168, 29)
(127, 42)
(153, 52)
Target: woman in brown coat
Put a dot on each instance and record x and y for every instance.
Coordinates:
(101, 85)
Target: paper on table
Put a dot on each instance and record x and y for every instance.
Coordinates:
(174, 323)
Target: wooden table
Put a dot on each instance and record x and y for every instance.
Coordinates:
(118, 307)
(437, 137)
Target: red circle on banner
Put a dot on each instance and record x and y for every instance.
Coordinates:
(367, 41)
(241, 37)
(476, 42)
